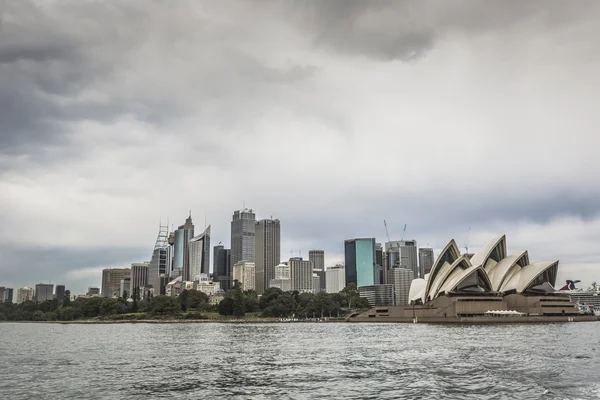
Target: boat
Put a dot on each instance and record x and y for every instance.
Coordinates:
(587, 300)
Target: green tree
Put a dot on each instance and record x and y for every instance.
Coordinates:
(124, 294)
(270, 295)
(192, 299)
(164, 305)
(67, 300)
(110, 307)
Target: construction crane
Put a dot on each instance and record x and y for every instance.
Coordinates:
(386, 231)
(403, 232)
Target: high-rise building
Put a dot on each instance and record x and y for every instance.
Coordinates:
(301, 274)
(360, 261)
(2, 293)
(425, 260)
(317, 257)
(125, 288)
(243, 272)
(139, 277)
(60, 293)
(93, 291)
(43, 292)
(266, 252)
(282, 278)
(242, 236)
(316, 282)
(8, 295)
(111, 280)
(401, 278)
(402, 253)
(335, 279)
(162, 258)
(199, 248)
(25, 294)
(222, 267)
(380, 274)
(181, 258)
(378, 295)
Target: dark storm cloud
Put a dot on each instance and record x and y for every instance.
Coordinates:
(406, 30)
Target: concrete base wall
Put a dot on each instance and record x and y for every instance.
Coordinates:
(478, 320)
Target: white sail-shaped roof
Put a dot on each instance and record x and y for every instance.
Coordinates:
(493, 249)
(449, 255)
(448, 274)
(499, 271)
(417, 287)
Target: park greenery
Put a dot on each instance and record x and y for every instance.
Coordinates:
(190, 304)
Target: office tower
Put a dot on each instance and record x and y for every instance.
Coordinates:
(317, 257)
(8, 297)
(222, 267)
(402, 253)
(199, 248)
(93, 291)
(60, 293)
(111, 280)
(181, 256)
(243, 272)
(162, 257)
(242, 236)
(301, 274)
(139, 277)
(378, 295)
(401, 278)
(282, 278)
(425, 260)
(2, 293)
(335, 279)
(160, 285)
(43, 292)
(25, 294)
(360, 261)
(316, 282)
(381, 275)
(266, 252)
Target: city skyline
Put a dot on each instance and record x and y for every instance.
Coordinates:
(461, 121)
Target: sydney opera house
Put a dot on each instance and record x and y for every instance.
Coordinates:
(486, 284)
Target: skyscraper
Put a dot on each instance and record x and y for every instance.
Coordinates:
(139, 278)
(8, 295)
(25, 294)
(183, 235)
(44, 291)
(401, 278)
(222, 267)
(282, 278)
(381, 275)
(2, 293)
(301, 274)
(111, 280)
(162, 257)
(317, 258)
(360, 261)
(402, 253)
(199, 248)
(335, 279)
(425, 260)
(242, 236)
(266, 252)
(60, 293)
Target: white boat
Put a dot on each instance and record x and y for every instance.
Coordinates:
(588, 298)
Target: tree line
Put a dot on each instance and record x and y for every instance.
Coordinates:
(190, 304)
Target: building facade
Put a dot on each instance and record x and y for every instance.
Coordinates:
(44, 291)
(199, 248)
(242, 236)
(183, 236)
(402, 253)
(60, 293)
(378, 295)
(125, 288)
(25, 294)
(222, 267)
(317, 258)
(111, 280)
(139, 277)
(425, 261)
(267, 250)
(335, 279)
(360, 265)
(301, 274)
(243, 272)
(401, 279)
(8, 295)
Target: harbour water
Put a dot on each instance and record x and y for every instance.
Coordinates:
(300, 361)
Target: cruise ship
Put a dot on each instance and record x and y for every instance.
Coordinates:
(589, 297)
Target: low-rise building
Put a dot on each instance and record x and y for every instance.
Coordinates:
(25, 294)
(378, 295)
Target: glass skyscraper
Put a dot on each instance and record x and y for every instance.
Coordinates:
(360, 261)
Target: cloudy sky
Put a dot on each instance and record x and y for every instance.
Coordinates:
(331, 116)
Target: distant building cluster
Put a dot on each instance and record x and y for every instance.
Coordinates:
(180, 260)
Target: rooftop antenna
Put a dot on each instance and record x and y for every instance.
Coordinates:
(467, 243)
(403, 232)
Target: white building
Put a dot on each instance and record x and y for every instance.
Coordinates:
(301, 274)
(205, 285)
(125, 287)
(335, 279)
(243, 272)
(24, 294)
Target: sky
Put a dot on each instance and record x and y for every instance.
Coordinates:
(463, 120)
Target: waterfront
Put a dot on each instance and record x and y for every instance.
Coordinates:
(300, 361)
